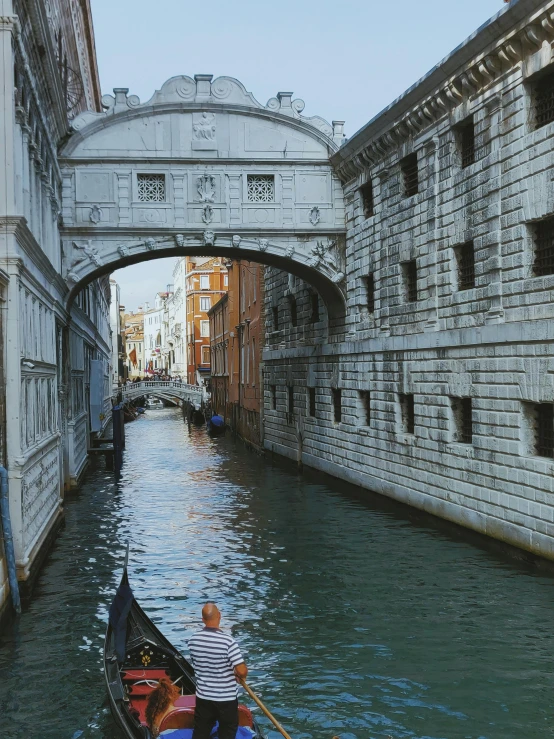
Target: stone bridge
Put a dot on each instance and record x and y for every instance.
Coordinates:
(204, 169)
(167, 389)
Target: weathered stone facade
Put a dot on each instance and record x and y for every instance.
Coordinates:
(440, 393)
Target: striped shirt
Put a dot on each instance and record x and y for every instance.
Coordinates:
(214, 655)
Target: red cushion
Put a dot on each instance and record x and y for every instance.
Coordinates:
(179, 718)
(185, 701)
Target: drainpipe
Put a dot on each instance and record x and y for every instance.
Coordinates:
(8, 539)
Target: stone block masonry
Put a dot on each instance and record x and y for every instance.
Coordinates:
(440, 393)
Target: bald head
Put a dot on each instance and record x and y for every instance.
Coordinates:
(211, 615)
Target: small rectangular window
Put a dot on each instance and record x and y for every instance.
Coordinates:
(365, 397)
(204, 282)
(409, 270)
(544, 100)
(543, 233)
(205, 355)
(465, 261)
(290, 398)
(314, 304)
(275, 313)
(370, 292)
(311, 402)
(205, 304)
(466, 141)
(366, 191)
(407, 410)
(261, 188)
(337, 404)
(544, 429)
(293, 311)
(410, 174)
(151, 188)
(225, 281)
(204, 329)
(273, 392)
(462, 410)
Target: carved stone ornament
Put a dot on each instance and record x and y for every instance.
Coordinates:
(95, 214)
(207, 214)
(179, 239)
(123, 250)
(208, 238)
(315, 215)
(263, 244)
(205, 187)
(204, 128)
(236, 240)
(90, 251)
(150, 244)
(72, 277)
(290, 251)
(322, 254)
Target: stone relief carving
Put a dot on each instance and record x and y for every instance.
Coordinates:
(204, 128)
(95, 214)
(263, 244)
(91, 253)
(208, 238)
(123, 250)
(179, 239)
(315, 215)
(236, 240)
(289, 251)
(205, 187)
(207, 214)
(150, 244)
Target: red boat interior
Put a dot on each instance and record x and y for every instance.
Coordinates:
(140, 683)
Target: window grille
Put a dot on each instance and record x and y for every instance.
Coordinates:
(410, 173)
(151, 188)
(544, 429)
(293, 311)
(544, 247)
(370, 288)
(273, 391)
(314, 301)
(467, 142)
(337, 404)
(261, 188)
(366, 192)
(410, 280)
(275, 312)
(465, 257)
(311, 402)
(408, 412)
(462, 410)
(544, 100)
(365, 397)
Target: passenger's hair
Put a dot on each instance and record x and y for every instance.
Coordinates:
(159, 701)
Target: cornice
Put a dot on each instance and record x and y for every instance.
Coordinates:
(470, 69)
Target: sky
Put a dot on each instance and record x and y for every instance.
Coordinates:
(347, 60)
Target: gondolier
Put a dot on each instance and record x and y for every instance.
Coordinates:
(218, 664)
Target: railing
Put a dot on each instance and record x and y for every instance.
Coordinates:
(150, 386)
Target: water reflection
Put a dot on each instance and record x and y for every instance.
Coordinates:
(354, 621)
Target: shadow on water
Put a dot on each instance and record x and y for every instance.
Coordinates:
(354, 620)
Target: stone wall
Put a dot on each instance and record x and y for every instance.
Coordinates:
(441, 392)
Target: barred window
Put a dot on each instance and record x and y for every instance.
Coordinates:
(337, 404)
(544, 100)
(409, 270)
(370, 289)
(543, 233)
(275, 314)
(543, 418)
(466, 138)
(365, 397)
(261, 188)
(407, 410)
(273, 393)
(462, 410)
(314, 303)
(290, 402)
(366, 191)
(293, 311)
(410, 174)
(151, 188)
(465, 259)
(311, 402)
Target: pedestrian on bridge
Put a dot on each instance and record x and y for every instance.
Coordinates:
(218, 666)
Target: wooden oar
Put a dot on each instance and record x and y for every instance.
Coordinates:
(264, 709)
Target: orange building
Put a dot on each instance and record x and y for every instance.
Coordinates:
(236, 330)
(206, 282)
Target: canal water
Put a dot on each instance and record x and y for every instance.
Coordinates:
(355, 621)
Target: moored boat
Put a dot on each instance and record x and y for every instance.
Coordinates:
(136, 657)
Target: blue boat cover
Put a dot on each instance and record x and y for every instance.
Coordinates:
(243, 732)
(217, 421)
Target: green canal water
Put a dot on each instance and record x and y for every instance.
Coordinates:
(354, 620)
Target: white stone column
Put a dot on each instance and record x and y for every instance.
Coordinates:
(7, 109)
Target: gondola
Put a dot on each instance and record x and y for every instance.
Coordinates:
(216, 426)
(136, 657)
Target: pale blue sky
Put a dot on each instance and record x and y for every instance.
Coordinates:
(347, 60)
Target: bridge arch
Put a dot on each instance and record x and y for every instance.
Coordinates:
(203, 168)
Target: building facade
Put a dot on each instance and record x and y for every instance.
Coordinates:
(441, 392)
(57, 372)
(206, 282)
(135, 345)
